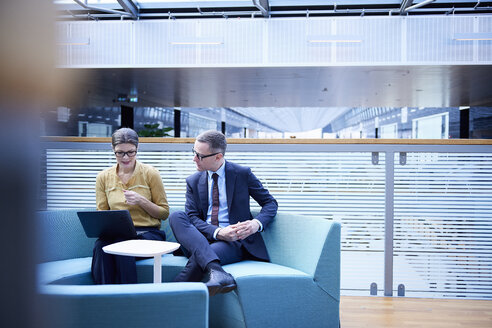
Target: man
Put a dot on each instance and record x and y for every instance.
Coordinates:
(217, 227)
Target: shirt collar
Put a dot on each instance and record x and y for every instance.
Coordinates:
(220, 171)
(137, 168)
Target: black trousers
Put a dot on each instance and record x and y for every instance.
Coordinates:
(118, 269)
(201, 251)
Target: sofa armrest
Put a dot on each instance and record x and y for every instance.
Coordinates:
(308, 244)
(327, 273)
(138, 305)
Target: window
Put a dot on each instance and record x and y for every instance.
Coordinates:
(87, 129)
(389, 131)
(431, 127)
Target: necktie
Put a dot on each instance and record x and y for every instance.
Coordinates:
(215, 201)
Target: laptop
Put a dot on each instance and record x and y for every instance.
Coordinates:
(110, 224)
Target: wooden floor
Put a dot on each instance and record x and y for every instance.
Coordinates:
(376, 312)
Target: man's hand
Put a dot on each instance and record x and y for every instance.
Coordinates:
(238, 231)
(228, 233)
(246, 228)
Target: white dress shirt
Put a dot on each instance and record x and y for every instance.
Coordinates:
(223, 208)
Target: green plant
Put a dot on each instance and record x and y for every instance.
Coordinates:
(152, 130)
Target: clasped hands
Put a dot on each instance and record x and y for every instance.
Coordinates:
(238, 231)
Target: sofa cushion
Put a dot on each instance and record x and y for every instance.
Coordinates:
(51, 272)
(78, 271)
(256, 268)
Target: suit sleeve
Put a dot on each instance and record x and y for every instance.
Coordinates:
(193, 210)
(263, 197)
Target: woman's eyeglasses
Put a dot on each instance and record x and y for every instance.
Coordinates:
(130, 153)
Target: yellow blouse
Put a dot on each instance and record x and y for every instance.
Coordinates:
(145, 180)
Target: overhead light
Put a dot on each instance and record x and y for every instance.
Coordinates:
(73, 42)
(418, 5)
(473, 37)
(335, 39)
(197, 41)
(122, 98)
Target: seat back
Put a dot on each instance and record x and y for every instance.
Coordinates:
(296, 241)
(61, 236)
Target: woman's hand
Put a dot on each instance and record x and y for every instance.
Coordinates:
(132, 198)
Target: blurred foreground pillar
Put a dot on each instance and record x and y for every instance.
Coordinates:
(27, 86)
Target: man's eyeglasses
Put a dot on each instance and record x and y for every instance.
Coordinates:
(200, 156)
(130, 153)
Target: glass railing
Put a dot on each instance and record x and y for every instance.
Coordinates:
(416, 215)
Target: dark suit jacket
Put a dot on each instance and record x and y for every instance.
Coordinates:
(241, 183)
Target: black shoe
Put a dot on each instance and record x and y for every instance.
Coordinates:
(219, 282)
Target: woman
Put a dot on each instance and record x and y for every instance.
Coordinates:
(133, 186)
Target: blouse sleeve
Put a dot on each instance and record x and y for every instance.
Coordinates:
(101, 199)
(158, 193)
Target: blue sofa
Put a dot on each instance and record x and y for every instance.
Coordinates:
(299, 288)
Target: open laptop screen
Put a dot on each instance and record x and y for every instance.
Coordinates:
(109, 225)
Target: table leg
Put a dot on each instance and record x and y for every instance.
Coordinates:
(157, 269)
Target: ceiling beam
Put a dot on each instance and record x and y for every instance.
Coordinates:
(129, 7)
(104, 10)
(263, 6)
(418, 5)
(404, 5)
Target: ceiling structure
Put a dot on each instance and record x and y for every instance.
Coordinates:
(279, 96)
(285, 98)
(155, 9)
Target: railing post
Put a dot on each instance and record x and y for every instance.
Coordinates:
(388, 222)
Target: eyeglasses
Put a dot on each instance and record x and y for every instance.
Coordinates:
(130, 153)
(200, 156)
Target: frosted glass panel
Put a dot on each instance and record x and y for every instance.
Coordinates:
(442, 204)
(443, 225)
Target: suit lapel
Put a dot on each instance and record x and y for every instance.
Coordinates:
(230, 182)
(203, 192)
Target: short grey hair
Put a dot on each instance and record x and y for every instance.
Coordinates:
(124, 135)
(216, 141)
